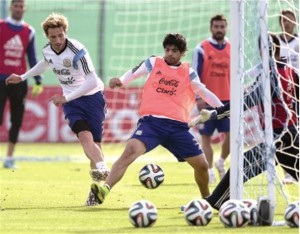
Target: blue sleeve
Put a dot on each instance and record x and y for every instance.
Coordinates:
(78, 56)
(200, 65)
(148, 65)
(197, 63)
(193, 75)
(32, 58)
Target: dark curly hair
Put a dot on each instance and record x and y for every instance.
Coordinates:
(177, 40)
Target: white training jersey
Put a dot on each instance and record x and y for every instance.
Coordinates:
(290, 50)
(70, 66)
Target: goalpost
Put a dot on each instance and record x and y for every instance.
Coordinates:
(251, 20)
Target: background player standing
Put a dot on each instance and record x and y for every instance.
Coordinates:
(211, 60)
(17, 39)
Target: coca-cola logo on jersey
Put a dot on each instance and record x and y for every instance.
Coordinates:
(63, 72)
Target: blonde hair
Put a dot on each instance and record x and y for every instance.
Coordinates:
(55, 21)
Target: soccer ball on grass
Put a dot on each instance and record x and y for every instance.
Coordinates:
(234, 213)
(151, 176)
(198, 212)
(291, 214)
(252, 206)
(142, 214)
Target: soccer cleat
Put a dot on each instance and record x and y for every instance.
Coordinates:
(221, 168)
(9, 163)
(99, 175)
(99, 192)
(92, 200)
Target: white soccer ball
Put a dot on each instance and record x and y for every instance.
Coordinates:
(252, 206)
(198, 212)
(291, 214)
(151, 176)
(234, 213)
(142, 214)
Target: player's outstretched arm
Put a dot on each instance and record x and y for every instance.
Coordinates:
(13, 79)
(205, 115)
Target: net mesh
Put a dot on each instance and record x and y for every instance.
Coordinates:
(283, 89)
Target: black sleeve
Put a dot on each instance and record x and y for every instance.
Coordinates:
(223, 111)
(253, 94)
(252, 97)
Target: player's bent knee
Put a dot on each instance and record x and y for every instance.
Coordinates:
(203, 163)
(204, 166)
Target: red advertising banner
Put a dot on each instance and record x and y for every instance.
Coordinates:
(44, 122)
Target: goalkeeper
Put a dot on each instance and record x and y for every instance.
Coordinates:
(17, 41)
(286, 136)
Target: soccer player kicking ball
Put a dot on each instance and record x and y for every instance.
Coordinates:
(82, 101)
(168, 97)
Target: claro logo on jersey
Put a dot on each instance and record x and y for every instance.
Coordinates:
(69, 80)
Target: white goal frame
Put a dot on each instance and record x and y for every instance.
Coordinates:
(237, 112)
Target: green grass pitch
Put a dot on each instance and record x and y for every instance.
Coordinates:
(47, 195)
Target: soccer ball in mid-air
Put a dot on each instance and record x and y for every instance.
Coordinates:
(252, 206)
(198, 212)
(291, 214)
(151, 176)
(142, 214)
(234, 213)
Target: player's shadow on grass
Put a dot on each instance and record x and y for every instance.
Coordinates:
(154, 229)
(42, 208)
(169, 185)
(70, 208)
(99, 209)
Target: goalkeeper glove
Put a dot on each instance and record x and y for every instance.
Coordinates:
(37, 89)
(204, 116)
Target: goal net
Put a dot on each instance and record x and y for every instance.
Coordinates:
(139, 29)
(264, 126)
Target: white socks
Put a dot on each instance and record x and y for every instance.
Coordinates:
(101, 166)
(221, 160)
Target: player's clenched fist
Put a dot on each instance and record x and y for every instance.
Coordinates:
(13, 79)
(115, 82)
